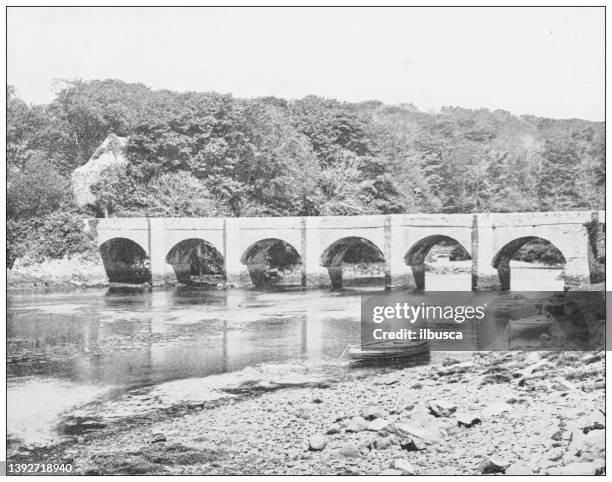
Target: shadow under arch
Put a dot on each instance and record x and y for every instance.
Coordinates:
(351, 250)
(415, 257)
(501, 260)
(196, 261)
(272, 261)
(125, 261)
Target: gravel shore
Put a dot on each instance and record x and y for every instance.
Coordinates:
(513, 413)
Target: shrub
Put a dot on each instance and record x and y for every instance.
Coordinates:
(61, 234)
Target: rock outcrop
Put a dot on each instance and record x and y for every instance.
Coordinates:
(110, 155)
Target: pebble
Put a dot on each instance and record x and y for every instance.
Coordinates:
(391, 472)
(356, 424)
(442, 408)
(158, 437)
(518, 469)
(372, 412)
(317, 442)
(494, 465)
(377, 424)
(404, 467)
(467, 420)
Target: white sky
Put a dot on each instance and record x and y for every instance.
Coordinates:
(542, 61)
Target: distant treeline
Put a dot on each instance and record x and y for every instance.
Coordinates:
(207, 154)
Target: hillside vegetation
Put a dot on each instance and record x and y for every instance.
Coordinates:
(208, 154)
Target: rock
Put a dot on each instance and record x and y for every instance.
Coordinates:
(372, 411)
(349, 451)
(467, 420)
(356, 424)
(495, 408)
(377, 425)
(518, 469)
(391, 472)
(494, 465)
(381, 443)
(559, 387)
(412, 444)
(404, 467)
(495, 378)
(317, 443)
(409, 406)
(158, 437)
(556, 454)
(595, 426)
(409, 430)
(442, 408)
(109, 159)
(417, 386)
(578, 468)
(334, 429)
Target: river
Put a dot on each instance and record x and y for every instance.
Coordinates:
(85, 359)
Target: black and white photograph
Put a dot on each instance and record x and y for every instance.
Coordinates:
(305, 240)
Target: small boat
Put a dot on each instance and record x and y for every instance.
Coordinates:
(359, 354)
(541, 322)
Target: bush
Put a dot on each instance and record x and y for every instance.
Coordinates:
(17, 235)
(51, 237)
(61, 234)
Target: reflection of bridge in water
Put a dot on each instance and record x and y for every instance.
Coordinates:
(240, 250)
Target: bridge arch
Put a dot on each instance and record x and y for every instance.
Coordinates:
(502, 259)
(196, 261)
(416, 255)
(273, 261)
(125, 261)
(352, 250)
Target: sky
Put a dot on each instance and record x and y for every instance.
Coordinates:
(542, 61)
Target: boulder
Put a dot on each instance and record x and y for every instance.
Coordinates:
(109, 157)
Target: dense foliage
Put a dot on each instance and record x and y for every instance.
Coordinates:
(198, 154)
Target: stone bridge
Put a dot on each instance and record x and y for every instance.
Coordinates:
(316, 248)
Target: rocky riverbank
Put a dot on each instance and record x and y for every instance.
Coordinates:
(71, 272)
(513, 413)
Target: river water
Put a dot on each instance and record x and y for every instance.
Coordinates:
(82, 360)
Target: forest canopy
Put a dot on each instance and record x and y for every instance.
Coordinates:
(210, 154)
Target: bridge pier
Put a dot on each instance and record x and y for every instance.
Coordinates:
(231, 251)
(313, 273)
(160, 270)
(484, 276)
